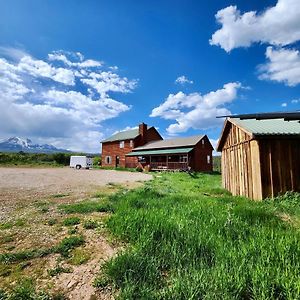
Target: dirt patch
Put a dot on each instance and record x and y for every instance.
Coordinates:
(31, 219)
(78, 284)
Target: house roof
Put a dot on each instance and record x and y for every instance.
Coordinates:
(123, 135)
(171, 143)
(161, 151)
(258, 128)
(268, 126)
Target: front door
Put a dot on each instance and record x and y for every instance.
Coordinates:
(117, 160)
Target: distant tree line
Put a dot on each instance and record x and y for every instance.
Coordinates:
(23, 158)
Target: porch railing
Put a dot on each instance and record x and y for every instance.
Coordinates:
(169, 165)
(163, 165)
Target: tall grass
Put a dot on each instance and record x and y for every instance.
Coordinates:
(189, 239)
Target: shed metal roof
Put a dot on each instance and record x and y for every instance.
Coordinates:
(286, 115)
(160, 152)
(171, 143)
(268, 127)
(123, 135)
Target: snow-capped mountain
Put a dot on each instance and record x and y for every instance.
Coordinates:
(16, 144)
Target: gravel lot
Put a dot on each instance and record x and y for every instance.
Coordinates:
(23, 185)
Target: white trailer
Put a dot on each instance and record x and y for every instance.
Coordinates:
(79, 162)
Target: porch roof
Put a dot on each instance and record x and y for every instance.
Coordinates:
(159, 152)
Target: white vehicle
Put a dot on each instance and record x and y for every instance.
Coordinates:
(79, 162)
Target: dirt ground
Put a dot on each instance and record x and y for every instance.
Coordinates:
(26, 184)
(30, 199)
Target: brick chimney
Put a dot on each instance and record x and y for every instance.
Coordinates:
(143, 132)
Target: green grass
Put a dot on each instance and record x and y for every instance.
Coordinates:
(87, 206)
(79, 257)
(9, 225)
(189, 239)
(71, 221)
(25, 290)
(58, 270)
(68, 244)
(64, 248)
(90, 224)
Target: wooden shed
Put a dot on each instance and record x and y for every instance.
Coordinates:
(260, 155)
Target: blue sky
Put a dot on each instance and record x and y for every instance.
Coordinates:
(74, 72)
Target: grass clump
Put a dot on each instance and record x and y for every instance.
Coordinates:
(87, 206)
(58, 270)
(6, 225)
(59, 195)
(79, 257)
(90, 224)
(68, 244)
(71, 221)
(26, 290)
(52, 221)
(191, 240)
(8, 258)
(64, 248)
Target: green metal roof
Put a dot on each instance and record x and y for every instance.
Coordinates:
(123, 135)
(171, 143)
(269, 127)
(158, 152)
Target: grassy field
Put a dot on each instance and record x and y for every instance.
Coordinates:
(178, 236)
(189, 239)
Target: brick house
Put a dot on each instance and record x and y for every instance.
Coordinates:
(145, 146)
(117, 146)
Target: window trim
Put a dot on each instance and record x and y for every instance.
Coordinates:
(122, 144)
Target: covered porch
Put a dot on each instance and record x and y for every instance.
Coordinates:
(177, 159)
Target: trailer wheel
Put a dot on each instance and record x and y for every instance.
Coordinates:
(78, 167)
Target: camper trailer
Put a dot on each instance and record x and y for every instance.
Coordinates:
(79, 162)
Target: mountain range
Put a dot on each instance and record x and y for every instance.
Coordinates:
(16, 144)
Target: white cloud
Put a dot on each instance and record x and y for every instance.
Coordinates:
(278, 25)
(61, 56)
(39, 68)
(214, 143)
(106, 81)
(183, 79)
(195, 110)
(125, 129)
(283, 66)
(60, 114)
(284, 104)
(295, 101)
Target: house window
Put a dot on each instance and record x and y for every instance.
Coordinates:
(131, 143)
(141, 159)
(108, 160)
(208, 159)
(203, 143)
(183, 159)
(122, 144)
